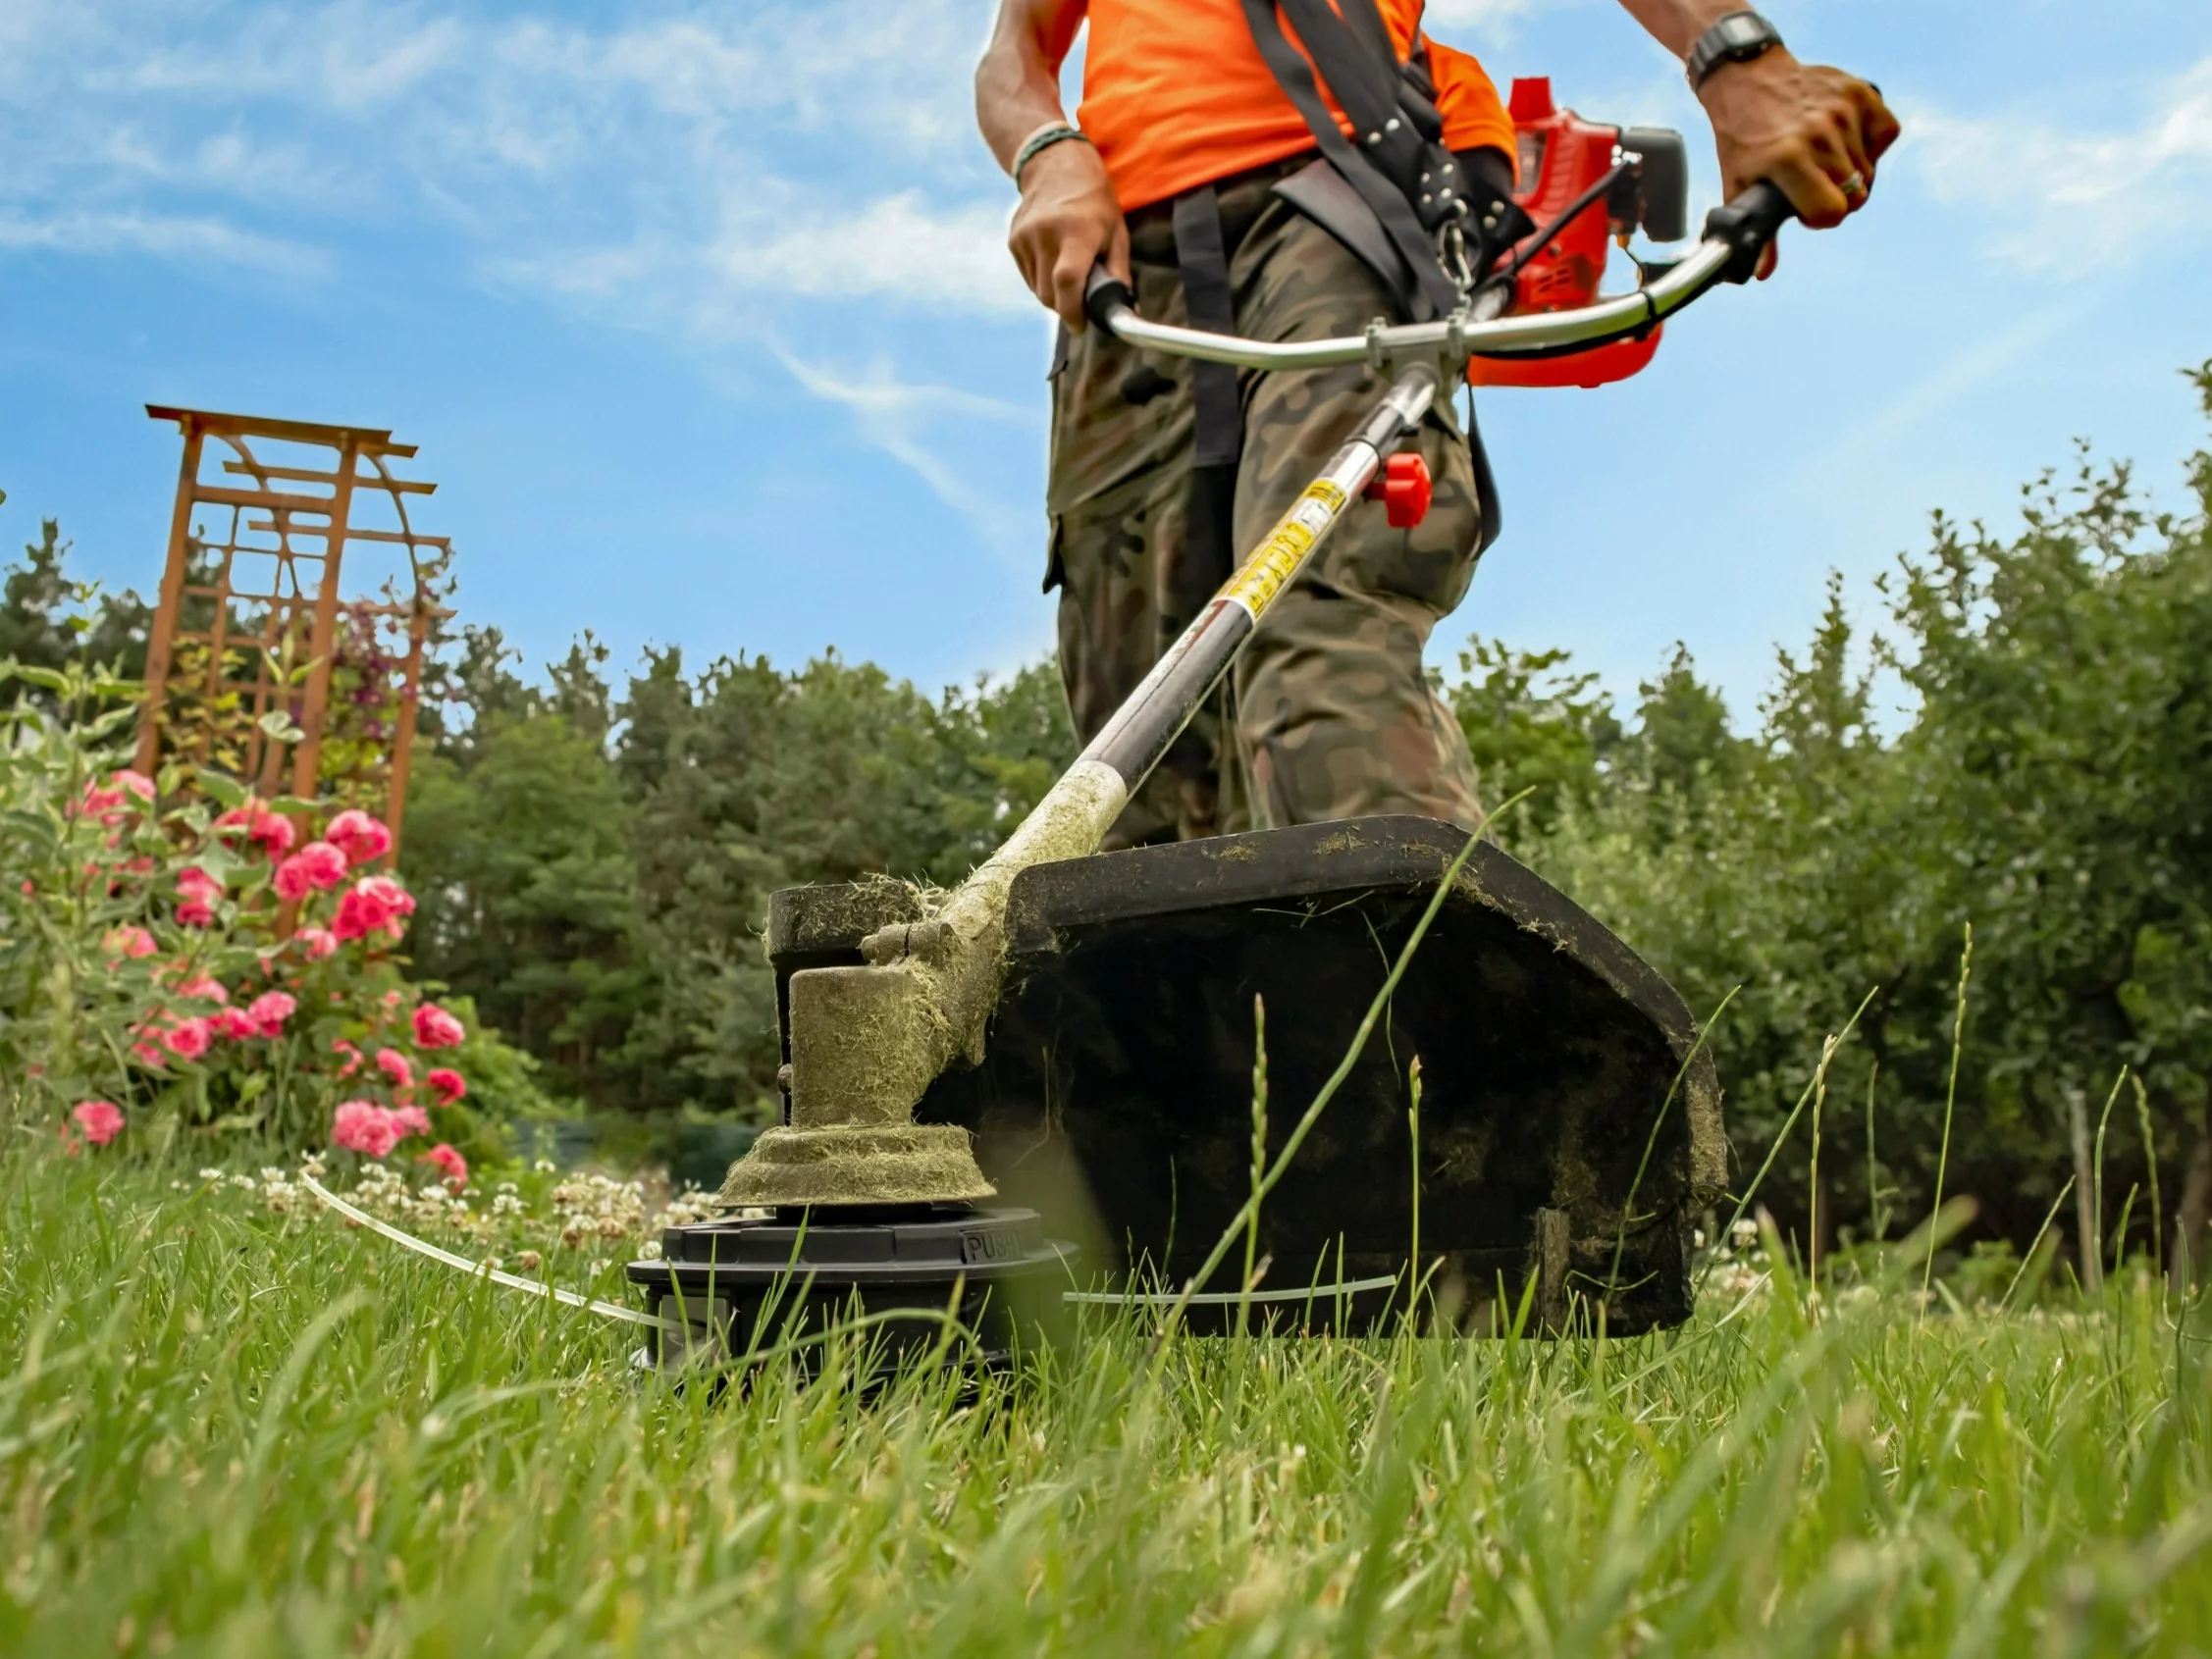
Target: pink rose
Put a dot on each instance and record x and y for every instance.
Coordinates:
(193, 882)
(390, 894)
(393, 1065)
(196, 913)
(362, 1126)
(411, 1118)
(435, 1029)
(269, 1012)
(358, 836)
(105, 803)
(102, 1120)
(187, 1039)
(203, 988)
(317, 942)
(131, 941)
(145, 1043)
(234, 1024)
(352, 1056)
(451, 1163)
(358, 917)
(375, 903)
(268, 830)
(316, 868)
(446, 1085)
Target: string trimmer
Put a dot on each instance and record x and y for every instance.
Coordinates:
(1076, 1030)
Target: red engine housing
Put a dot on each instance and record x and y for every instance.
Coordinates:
(1562, 155)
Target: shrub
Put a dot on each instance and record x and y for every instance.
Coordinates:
(210, 964)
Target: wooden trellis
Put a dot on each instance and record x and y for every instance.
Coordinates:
(251, 622)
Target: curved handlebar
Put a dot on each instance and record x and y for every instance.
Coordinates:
(1104, 295)
(1747, 225)
(1736, 237)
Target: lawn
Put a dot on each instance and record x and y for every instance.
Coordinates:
(229, 1429)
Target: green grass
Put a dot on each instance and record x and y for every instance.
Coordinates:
(218, 1435)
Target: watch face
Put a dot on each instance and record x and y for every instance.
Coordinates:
(1743, 31)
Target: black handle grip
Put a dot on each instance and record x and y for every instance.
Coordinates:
(1102, 292)
(1747, 225)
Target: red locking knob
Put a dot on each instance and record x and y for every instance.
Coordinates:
(1404, 487)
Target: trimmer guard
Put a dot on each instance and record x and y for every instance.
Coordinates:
(1565, 1120)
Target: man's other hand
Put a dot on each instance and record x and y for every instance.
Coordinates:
(1814, 131)
(1069, 218)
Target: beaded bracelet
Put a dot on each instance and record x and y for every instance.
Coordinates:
(1044, 139)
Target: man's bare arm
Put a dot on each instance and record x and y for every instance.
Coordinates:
(1069, 217)
(1816, 132)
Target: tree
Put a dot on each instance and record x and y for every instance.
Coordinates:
(1534, 725)
(48, 619)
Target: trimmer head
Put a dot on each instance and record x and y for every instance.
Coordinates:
(1564, 1118)
(747, 1284)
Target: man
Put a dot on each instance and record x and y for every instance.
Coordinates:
(1181, 178)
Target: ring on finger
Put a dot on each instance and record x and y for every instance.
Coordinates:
(1855, 185)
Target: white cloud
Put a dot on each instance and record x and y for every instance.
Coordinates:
(186, 239)
(1477, 15)
(232, 162)
(2070, 198)
(1899, 425)
(897, 249)
(1492, 23)
(898, 418)
(672, 161)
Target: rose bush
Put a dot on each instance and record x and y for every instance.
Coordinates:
(210, 964)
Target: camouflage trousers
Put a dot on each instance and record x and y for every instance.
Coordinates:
(1329, 713)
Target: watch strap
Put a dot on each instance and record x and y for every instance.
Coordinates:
(1734, 38)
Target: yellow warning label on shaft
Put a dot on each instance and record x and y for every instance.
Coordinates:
(1262, 576)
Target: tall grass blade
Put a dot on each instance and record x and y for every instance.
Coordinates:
(1950, 1102)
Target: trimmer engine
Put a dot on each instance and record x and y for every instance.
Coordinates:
(1587, 186)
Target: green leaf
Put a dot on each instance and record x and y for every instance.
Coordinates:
(232, 1122)
(35, 826)
(98, 728)
(226, 790)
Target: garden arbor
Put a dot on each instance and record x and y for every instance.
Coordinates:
(256, 665)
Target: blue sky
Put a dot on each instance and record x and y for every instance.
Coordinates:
(702, 317)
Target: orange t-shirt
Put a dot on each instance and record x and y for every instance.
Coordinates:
(1176, 95)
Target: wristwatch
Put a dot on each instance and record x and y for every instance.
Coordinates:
(1736, 38)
